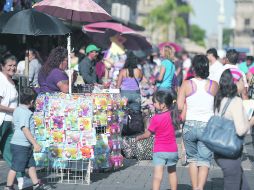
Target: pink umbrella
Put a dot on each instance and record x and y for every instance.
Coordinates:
(108, 25)
(73, 10)
(102, 32)
(177, 47)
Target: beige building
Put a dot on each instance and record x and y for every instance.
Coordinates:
(244, 25)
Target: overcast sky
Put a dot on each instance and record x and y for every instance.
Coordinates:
(206, 13)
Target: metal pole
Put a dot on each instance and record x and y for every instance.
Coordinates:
(69, 62)
(221, 21)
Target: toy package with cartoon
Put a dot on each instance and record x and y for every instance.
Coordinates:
(67, 129)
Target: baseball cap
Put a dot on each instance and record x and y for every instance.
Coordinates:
(92, 47)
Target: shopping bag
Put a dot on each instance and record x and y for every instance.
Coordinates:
(129, 147)
(144, 149)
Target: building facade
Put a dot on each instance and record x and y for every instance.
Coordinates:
(244, 25)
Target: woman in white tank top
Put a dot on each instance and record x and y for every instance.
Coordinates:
(197, 94)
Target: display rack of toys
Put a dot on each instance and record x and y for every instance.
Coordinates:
(77, 133)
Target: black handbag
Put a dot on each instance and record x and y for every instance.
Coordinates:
(220, 136)
(135, 124)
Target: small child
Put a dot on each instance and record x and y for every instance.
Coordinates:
(23, 142)
(162, 124)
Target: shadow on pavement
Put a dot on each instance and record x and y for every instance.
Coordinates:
(103, 174)
(215, 182)
(183, 187)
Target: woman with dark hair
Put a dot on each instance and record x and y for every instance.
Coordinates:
(128, 81)
(234, 178)
(198, 95)
(52, 76)
(34, 66)
(8, 102)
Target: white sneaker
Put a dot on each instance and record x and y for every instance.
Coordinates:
(24, 182)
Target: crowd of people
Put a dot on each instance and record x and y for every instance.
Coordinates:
(183, 92)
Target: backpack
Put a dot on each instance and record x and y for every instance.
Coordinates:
(134, 125)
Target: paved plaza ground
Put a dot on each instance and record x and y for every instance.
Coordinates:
(137, 175)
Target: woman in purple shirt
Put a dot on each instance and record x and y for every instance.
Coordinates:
(128, 81)
(52, 76)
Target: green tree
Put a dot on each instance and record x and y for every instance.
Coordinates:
(197, 34)
(169, 13)
(227, 34)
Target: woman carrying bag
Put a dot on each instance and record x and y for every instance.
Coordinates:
(234, 178)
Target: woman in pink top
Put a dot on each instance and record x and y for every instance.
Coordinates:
(165, 148)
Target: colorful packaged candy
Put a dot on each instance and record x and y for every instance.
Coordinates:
(56, 152)
(70, 152)
(57, 136)
(39, 103)
(85, 124)
(72, 137)
(101, 119)
(101, 161)
(38, 119)
(57, 122)
(85, 108)
(71, 122)
(86, 152)
(114, 129)
(88, 138)
(101, 101)
(116, 160)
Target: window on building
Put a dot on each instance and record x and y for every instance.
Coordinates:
(247, 22)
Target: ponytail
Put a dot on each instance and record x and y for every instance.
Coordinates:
(174, 112)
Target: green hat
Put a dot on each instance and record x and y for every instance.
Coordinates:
(92, 47)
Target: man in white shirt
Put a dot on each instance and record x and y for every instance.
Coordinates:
(238, 75)
(215, 67)
(186, 63)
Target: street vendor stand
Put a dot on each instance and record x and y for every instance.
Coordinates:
(78, 133)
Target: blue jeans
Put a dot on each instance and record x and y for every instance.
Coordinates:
(22, 158)
(165, 158)
(196, 150)
(134, 99)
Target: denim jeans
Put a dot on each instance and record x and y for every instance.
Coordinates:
(165, 158)
(196, 150)
(134, 99)
(22, 158)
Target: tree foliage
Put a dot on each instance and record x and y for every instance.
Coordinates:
(197, 34)
(166, 14)
(227, 34)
